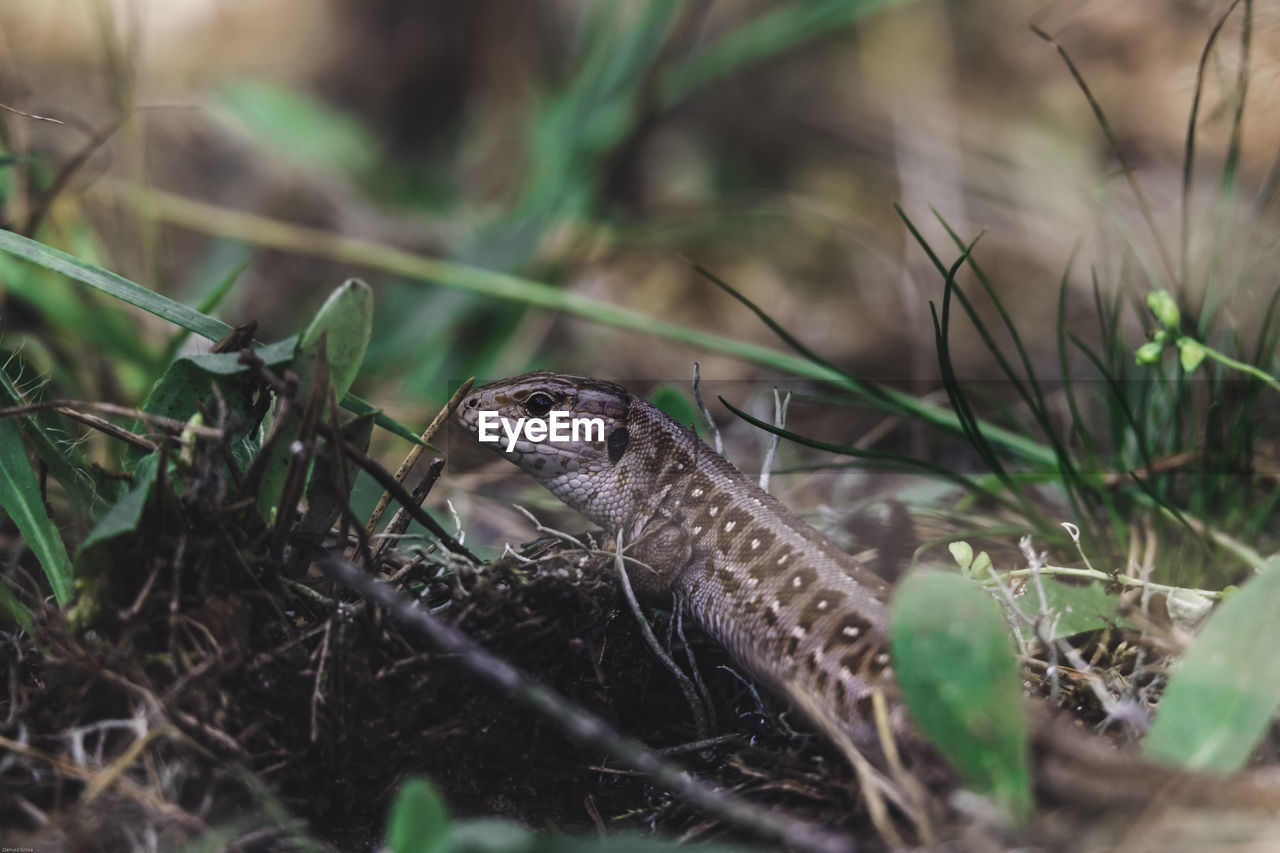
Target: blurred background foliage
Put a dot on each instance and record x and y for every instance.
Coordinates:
(603, 149)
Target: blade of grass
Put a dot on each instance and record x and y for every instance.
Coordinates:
(1189, 146)
(10, 602)
(21, 499)
(210, 303)
(135, 294)
(68, 466)
(1117, 392)
(880, 458)
(960, 403)
(775, 327)
(114, 285)
(1034, 399)
(1093, 463)
(263, 231)
(1268, 333)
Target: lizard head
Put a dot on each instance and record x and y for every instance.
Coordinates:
(568, 432)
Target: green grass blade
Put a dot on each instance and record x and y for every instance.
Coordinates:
(17, 611)
(1117, 392)
(879, 458)
(67, 465)
(1268, 335)
(113, 285)
(210, 303)
(1092, 491)
(289, 122)
(1220, 701)
(959, 402)
(1189, 144)
(161, 306)
(21, 499)
(774, 326)
(960, 680)
(1035, 399)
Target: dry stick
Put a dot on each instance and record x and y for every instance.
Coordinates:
(415, 452)
(584, 727)
(706, 413)
(388, 482)
(105, 426)
(111, 409)
(399, 522)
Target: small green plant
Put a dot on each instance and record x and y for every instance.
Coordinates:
(1190, 351)
(192, 390)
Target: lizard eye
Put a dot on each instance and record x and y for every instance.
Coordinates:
(539, 404)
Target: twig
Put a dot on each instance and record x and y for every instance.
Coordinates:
(1123, 580)
(706, 413)
(399, 522)
(585, 727)
(173, 424)
(699, 711)
(780, 421)
(416, 451)
(387, 481)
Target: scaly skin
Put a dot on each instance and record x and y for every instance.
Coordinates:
(797, 612)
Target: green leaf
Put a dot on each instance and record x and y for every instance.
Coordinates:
(326, 496)
(418, 821)
(20, 497)
(1220, 700)
(124, 515)
(491, 835)
(1191, 353)
(962, 553)
(960, 680)
(346, 320)
(188, 383)
(1149, 353)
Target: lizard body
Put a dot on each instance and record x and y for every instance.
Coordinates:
(795, 610)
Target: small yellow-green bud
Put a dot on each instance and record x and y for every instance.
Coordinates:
(1165, 308)
(962, 553)
(1149, 353)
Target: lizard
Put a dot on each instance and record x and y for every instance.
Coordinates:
(798, 613)
(792, 608)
